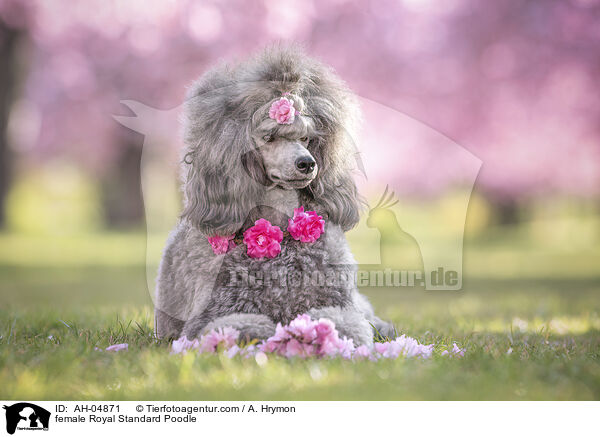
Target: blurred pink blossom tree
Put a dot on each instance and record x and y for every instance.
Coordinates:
(513, 81)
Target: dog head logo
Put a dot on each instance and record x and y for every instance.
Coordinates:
(26, 416)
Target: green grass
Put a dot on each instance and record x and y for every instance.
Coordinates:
(62, 297)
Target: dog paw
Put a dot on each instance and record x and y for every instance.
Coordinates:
(250, 326)
(384, 329)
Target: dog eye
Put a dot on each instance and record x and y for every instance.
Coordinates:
(268, 138)
(304, 139)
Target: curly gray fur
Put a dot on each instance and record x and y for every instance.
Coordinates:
(225, 189)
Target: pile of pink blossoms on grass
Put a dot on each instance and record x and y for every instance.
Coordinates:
(306, 338)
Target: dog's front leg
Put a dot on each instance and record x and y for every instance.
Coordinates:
(166, 326)
(250, 326)
(349, 322)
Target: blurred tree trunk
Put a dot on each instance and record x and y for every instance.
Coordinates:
(507, 212)
(8, 43)
(121, 186)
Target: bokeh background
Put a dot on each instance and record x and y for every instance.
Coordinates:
(514, 82)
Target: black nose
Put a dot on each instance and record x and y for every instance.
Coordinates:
(305, 164)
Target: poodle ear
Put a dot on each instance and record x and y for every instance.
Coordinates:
(334, 189)
(254, 166)
(336, 114)
(219, 191)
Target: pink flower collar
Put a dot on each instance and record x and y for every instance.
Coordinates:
(264, 240)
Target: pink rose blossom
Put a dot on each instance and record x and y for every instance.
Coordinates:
(283, 111)
(117, 347)
(306, 227)
(221, 245)
(263, 239)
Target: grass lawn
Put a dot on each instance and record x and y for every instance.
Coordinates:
(530, 331)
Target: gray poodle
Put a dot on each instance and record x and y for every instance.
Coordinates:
(241, 164)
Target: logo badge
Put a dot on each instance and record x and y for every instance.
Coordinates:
(26, 416)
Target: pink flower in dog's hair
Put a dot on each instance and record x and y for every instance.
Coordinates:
(182, 345)
(117, 347)
(221, 245)
(283, 111)
(306, 227)
(263, 239)
(225, 337)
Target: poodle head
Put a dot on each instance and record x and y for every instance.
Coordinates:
(285, 160)
(237, 147)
